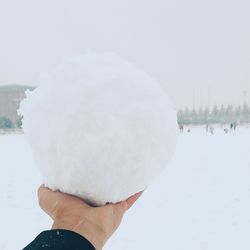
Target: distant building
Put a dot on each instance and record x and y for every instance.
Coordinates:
(10, 98)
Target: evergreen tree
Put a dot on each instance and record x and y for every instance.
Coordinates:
(245, 113)
(193, 117)
(206, 115)
(214, 117)
(230, 114)
(238, 114)
(200, 116)
(186, 118)
(180, 116)
(222, 115)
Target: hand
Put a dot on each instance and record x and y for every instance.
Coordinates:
(96, 224)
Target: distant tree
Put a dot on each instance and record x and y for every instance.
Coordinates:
(5, 123)
(19, 122)
(206, 115)
(245, 113)
(180, 116)
(200, 116)
(222, 115)
(230, 114)
(194, 117)
(238, 114)
(214, 116)
(186, 116)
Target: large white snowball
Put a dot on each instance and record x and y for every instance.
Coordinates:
(100, 128)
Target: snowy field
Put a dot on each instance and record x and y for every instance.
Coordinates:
(202, 202)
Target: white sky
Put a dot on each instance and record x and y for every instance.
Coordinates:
(199, 50)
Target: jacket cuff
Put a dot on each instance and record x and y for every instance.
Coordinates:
(59, 239)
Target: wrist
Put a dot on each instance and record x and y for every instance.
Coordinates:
(93, 233)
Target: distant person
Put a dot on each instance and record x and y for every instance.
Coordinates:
(231, 126)
(181, 128)
(77, 226)
(211, 128)
(234, 125)
(226, 130)
(207, 127)
(189, 130)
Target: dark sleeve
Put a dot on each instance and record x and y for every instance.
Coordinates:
(59, 240)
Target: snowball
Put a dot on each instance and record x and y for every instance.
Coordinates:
(100, 128)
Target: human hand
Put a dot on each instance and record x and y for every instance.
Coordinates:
(96, 224)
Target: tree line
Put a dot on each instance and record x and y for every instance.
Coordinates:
(201, 116)
(6, 123)
(216, 115)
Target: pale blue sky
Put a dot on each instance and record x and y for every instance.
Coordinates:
(198, 50)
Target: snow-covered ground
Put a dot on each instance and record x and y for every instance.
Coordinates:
(202, 202)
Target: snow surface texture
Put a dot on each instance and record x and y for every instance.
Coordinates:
(201, 201)
(100, 128)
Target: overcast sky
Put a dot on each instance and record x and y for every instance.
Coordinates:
(198, 50)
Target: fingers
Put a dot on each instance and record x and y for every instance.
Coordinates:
(131, 200)
(123, 206)
(53, 202)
